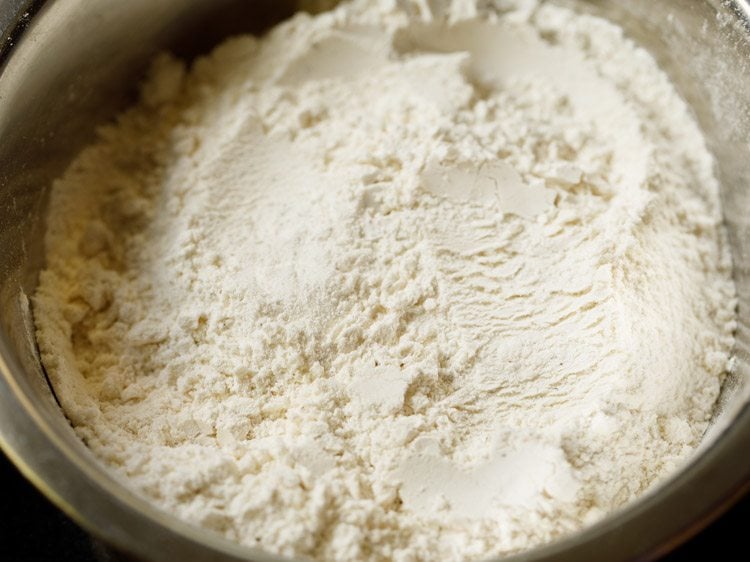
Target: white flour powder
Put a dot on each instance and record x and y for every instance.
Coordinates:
(405, 280)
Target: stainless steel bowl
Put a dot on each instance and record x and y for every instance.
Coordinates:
(67, 65)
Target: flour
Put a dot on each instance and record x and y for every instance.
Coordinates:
(401, 281)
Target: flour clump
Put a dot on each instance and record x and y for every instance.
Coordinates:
(399, 281)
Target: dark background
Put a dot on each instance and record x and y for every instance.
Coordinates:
(33, 530)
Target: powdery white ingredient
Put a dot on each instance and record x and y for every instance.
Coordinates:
(401, 281)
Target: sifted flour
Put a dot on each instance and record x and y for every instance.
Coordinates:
(404, 280)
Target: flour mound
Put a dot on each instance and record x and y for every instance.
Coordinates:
(401, 281)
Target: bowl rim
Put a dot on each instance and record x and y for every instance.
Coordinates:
(68, 475)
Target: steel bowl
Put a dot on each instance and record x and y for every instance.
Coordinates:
(68, 65)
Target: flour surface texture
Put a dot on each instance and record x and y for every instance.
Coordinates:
(400, 281)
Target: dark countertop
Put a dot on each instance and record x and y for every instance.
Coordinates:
(33, 530)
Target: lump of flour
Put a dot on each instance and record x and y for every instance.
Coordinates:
(401, 281)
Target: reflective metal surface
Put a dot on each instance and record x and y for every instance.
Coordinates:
(67, 65)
